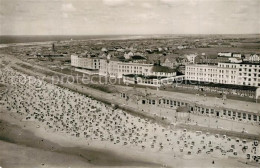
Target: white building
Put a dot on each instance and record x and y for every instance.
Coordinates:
(249, 74)
(225, 73)
(155, 81)
(237, 55)
(134, 68)
(191, 58)
(235, 60)
(108, 68)
(254, 58)
(118, 69)
(225, 54)
(230, 54)
(169, 62)
(85, 62)
(114, 68)
(205, 73)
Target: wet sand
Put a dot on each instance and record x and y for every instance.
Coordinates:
(19, 142)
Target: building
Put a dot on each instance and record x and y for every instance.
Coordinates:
(116, 68)
(237, 55)
(160, 71)
(247, 74)
(238, 111)
(225, 54)
(180, 47)
(156, 76)
(85, 62)
(235, 60)
(230, 54)
(191, 58)
(207, 73)
(155, 81)
(134, 68)
(169, 62)
(108, 68)
(254, 58)
(208, 60)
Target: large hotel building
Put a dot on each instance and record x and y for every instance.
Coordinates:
(247, 74)
(114, 68)
(85, 62)
(117, 68)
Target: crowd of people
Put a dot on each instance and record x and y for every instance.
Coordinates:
(61, 110)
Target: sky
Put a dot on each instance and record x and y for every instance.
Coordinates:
(109, 17)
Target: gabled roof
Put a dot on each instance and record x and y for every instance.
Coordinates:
(171, 59)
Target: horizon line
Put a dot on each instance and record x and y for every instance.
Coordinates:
(128, 34)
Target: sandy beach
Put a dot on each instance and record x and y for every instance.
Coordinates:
(30, 150)
(22, 144)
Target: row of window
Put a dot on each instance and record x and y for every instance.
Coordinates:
(249, 70)
(207, 111)
(229, 114)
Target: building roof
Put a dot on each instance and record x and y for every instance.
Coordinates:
(138, 57)
(158, 68)
(249, 63)
(144, 77)
(202, 65)
(171, 59)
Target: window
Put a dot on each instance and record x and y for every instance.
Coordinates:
(234, 114)
(249, 117)
(244, 115)
(224, 112)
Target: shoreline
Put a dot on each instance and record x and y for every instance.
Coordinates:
(15, 134)
(81, 156)
(94, 38)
